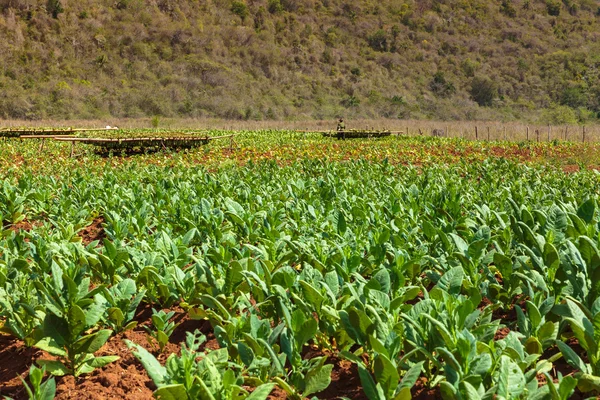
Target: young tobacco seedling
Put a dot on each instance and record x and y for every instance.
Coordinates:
(163, 328)
(39, 390)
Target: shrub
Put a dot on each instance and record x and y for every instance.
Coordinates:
(240, 9)
(378, 41)
(574, 96)
(122, 4)
(572, 6)
(558, 115)
(469, 67)
(54, 7)
(508, 9)
(274, 6)
(553, 7)
(398, 100)
(440, 86)
(351, 101)
(483, 91)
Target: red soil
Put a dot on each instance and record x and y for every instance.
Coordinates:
(124, 379)
(92, 232)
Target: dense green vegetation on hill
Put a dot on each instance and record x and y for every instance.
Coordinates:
(284, 59)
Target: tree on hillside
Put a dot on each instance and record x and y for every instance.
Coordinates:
(483, 91)
(240, 9)
(54, 7)
(440, 86)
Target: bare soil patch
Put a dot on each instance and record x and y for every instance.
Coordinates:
(94, 231)
(422, 392)
(15, 360)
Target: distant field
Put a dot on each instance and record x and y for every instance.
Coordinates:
(495, 130)
(287, 265)
(286, 147)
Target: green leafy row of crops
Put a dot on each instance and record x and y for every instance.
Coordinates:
(478, 280)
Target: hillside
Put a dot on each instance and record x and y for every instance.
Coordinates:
(286, 59)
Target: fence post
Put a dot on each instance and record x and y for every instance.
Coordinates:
(583, 134)
(476, 133)
(488, 130)
(528, 134)
(566, 130)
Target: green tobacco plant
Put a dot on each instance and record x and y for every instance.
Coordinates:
(538, 331)
(12, 204)
(73, 311)
(585, 326)
(197, 375)
(21, 309)
(107, 264)
(305, 377)
(513, 373)
(123, 300)
(162, 327)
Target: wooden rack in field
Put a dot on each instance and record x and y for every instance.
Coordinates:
(133, 144)
(356, 134)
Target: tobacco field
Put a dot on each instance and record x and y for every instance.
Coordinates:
(294, 266)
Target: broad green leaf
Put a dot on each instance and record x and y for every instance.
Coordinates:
(116, 315)
(557, 219)
(411, 376)
(171, 392)
(312, 295)
(586, 210)
(571, 357)
(386, 374)
(566, 387)
(383, 277)
(448, 391)
(318, 379)
(49, 344)
(588, 383)
(341, 223)
(261, 392)
(92, 343)
(511, 381)
(77, 323)
(246, 353)
(451, 281)
(47, 390)
(371, 389)
(55, 368)
(99, 362)
(155, 371)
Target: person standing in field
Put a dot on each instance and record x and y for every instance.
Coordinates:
(341, 126)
